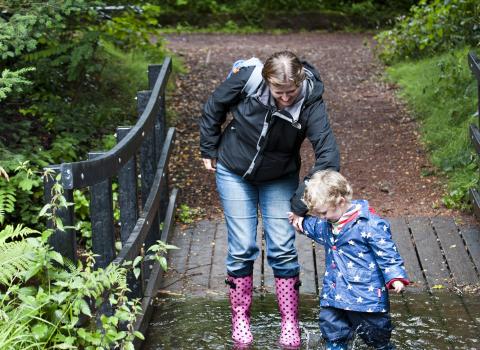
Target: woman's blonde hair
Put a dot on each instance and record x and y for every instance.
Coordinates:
(326, 187)
(283, 68)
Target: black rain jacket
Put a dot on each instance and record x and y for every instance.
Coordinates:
(262, 143)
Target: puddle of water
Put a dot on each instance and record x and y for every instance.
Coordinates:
(422, 322)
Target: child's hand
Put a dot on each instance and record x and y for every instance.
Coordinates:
(398, 286)
(296, 221)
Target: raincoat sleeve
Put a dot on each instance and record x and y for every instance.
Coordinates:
(379, 238)
(226, 95)
(315, 228)
(327, 155)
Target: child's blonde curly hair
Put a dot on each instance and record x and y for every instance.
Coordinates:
(326, 187)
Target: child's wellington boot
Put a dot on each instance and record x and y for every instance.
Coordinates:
(241, 289)
(335, 345)
(288, 297)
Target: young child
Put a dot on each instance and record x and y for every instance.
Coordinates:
(362, 262)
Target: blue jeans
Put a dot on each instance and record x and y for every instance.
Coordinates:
(339, 326)
(240, 200)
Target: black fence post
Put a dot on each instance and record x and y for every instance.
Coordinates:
(128, 203)
(101, 214)
(127, 191)
(64, 242)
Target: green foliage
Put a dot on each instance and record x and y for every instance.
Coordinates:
(442, 93)
(42, 27)
(47, 302)
(7, 202)
(258, 15)
(13, 80)
(186, 214)
(87, 72)
(134, 30)
(16, 253)
(17, 191)
(432, 27)
(159, 250)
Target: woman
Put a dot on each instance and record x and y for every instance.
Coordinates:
(257, 161)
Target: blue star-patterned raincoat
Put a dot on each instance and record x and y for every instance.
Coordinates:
(360, 260)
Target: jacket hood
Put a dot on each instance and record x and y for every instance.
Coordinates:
(315, 84)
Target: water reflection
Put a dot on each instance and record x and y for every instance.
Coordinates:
(422, 322)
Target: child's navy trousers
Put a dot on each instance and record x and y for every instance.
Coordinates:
(337, 325)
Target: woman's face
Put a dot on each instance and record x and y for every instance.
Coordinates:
(285, 95)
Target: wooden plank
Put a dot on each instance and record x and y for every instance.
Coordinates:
(471, 236)
(219, 271)
(200, 257)
(401, 236)
(305, 259)
(177, 261)
(429, 252)
(460, 265)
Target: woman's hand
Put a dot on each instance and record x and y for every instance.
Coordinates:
(210, 164)
(296, 221)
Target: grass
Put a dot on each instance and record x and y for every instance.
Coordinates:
(442, 95)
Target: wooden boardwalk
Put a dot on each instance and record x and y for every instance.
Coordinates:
(438, 254)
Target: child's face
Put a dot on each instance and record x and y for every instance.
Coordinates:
(331, 212)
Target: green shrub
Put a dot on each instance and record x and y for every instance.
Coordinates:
(431, 27)
(86, 75)
(47, 302)
(442, 94)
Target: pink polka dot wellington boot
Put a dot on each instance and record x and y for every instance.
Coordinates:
(288, 297)
(241, 289)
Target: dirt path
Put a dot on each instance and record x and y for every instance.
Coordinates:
(379, 144)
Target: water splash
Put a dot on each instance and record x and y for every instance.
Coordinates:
(421, 323)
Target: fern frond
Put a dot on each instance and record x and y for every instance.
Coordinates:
(11, 232)
(116, 276)
(15, 260)
(55, 50)
(7, 202)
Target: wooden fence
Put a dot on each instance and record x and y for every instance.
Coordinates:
(474, 64)
(146, 209)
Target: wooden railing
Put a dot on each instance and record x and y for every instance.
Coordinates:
(474, 63)
(146, 211)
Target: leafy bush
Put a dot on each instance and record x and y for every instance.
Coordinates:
(442, 94)
(47, 302)
(269, 14)
(431, 27)
(69, 78)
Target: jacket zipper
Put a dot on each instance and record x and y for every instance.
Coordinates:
(263, 135)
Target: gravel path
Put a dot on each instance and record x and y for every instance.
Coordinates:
(379, 143)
